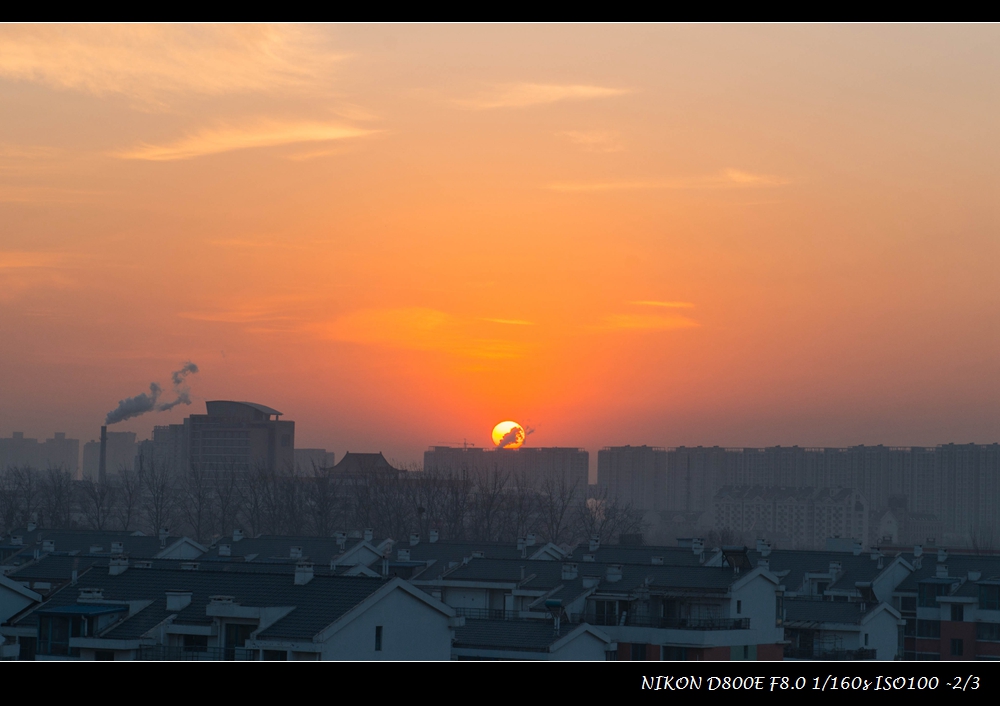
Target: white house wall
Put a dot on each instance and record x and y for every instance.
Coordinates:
(411, 630)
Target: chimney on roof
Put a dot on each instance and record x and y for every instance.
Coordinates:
(164, 534)
(341, 538)
(835, 567)
(569, 572)
(48, 545)
(237, 535)
(657, 560)
(222, 600)
(189, 565)
(73, 577)
(117, 547)
(225, 550)
(942, 555)
(403, 554)
(303, 573)
(478, 554)
(941, 571)
(613, 573)
(117, 565)
(918, 550)
(589, 558)
(591, 581)
(857, 548)
(369, 534)
(32, 526)
(764, 564)
(975, 574)
(697, 545)
(414, 539)
(96, 549)
(102, 465)
(178, 600)
(595, 544)
(16, 540)
(529, 541)
(295, 552)
(432, 536)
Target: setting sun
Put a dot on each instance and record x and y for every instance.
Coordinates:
(508, 435)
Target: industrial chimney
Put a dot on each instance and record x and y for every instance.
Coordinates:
(102, 469)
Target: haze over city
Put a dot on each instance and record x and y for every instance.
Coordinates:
(400, 236)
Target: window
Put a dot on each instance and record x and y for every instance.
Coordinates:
(988, 632)
(928, 628)
(746, 651)
(928, 593)
(670, 653)
(739, 607)
(866, 639)
(989, 597)
(275, 656)
(956, 647)
(638, 652)
(908, 604)
(378, 638)
(910, 629)
(196, 643)
(957, 612)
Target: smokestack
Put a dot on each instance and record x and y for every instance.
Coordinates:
(102, 469)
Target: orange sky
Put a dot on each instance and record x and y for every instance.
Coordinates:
(399, 236)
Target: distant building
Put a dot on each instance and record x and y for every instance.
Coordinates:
(564, 465)
(231, 437)
(308, 459)
(634, 474)
(121, 450)
(57, 452)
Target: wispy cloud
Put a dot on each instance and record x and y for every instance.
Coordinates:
(229, 138)
(727, 179)
(523, 95)
(11, 260)
(594, 140)
(152, 63)
(420, 329)
(665, 305)
(21, 271)
(510, 322)
(637, 322)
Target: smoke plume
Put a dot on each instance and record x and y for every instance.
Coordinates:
(147, 402)
(134, 406)
(515, 435)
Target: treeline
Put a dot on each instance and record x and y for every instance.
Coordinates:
(476, 504)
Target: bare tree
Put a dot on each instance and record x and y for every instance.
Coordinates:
(158, 497)
(226, 496)
(522, 506)
(606, 518)
(128, 493)
(56, 490)
(487, 506)
(10, 500)
(558, 497)
(28, 490)
(97, 503)
(196, 503)
(322, 500)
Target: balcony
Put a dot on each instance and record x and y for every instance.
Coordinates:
(838, 655)
(488, 613)
(649, 621)
(218, 654)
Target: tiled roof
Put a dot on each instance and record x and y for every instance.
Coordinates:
(317, 603)
(806, 611)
